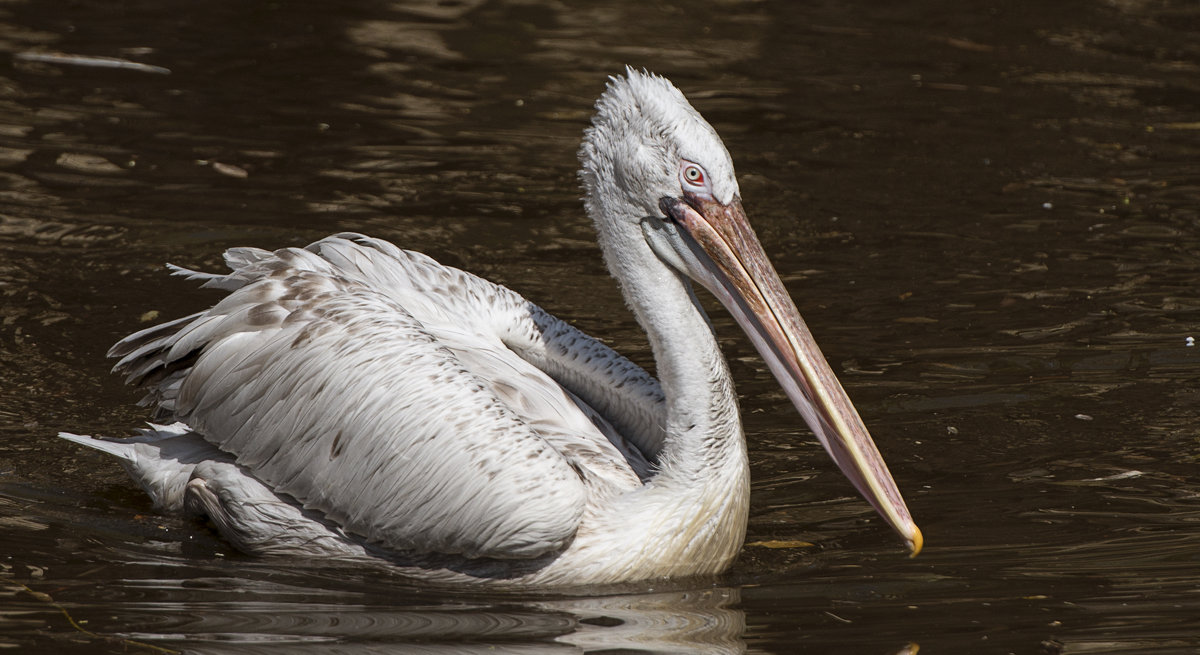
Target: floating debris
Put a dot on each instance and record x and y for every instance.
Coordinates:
(1084, 417)
(1124, 475)
(85, 163)
(230, 170)
(95, 62)
(1189, 342)
(837, 618)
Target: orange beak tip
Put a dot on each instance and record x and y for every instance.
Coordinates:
(916, 544)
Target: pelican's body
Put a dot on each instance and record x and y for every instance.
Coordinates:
(362, 402)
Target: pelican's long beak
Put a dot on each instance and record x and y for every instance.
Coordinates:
(727, 259)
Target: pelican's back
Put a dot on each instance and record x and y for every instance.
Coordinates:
(375, 386)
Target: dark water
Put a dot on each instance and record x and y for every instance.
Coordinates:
(989, 213)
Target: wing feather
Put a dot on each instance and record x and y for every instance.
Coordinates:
(371, 435)
(378, 387)
(619, 390)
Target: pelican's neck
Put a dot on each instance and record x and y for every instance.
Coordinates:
(690, 518)
(703, 442)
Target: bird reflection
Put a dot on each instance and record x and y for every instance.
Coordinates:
(692, 621)
(703, 621)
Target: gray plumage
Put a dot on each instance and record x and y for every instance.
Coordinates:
(358, 401)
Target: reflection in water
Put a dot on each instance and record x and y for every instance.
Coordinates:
(279, 612)
(242, 615)
(697, 621)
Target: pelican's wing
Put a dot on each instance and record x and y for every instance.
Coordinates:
(451, 301)
(315, 376)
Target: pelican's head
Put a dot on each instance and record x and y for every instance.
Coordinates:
(659, 180)
(646, 142)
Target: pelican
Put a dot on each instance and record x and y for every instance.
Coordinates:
(354, 401)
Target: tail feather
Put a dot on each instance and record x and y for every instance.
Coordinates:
(160, 459)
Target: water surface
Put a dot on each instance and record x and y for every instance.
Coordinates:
(987, 212)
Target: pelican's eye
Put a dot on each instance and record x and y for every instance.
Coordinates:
(692, 175)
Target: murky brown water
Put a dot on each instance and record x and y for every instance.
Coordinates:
(988, 213)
